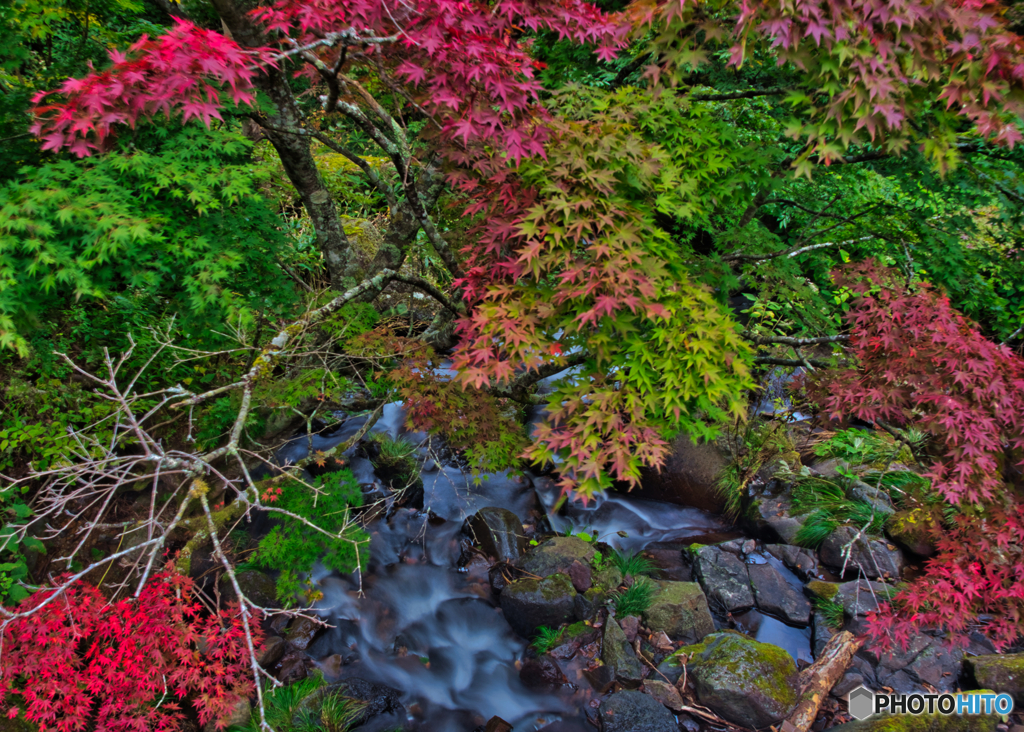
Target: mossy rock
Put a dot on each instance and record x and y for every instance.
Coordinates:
(1003, 673)
(607, 579)
(824, 590)
(751, 684)
(529, 603)
(680, 609)
(925, 722)
(557, 555)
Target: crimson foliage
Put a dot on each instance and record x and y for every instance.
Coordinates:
(83, 662)
(924, 365)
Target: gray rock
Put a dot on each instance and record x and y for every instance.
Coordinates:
(872, 558)
(775, 596)
(680, 610)
(498, 532)
(749, 683)
(556, 556)
(529, 604)
(938, 666)
(665, 693)
(632, 711)
(775, 521)
(857, 599)
(850, 681)
(617, 654)
(724, 579)
(803, 562)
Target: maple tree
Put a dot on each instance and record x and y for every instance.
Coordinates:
(83, 662)
(921, 364)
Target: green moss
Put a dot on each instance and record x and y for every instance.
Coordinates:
(824, 590)
(556, 586)
(576, 630)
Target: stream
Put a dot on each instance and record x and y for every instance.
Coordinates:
(428, 624)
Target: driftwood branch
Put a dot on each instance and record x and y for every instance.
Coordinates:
(817, 680)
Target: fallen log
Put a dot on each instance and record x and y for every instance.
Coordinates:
(817, 680)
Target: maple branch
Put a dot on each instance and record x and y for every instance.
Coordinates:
(367, 169)
(750, 94)
(796, 251)
(772, 361)
(786, 340)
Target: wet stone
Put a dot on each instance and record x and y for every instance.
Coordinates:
(1002, 673)
(803, 562)
(775, 521)
(724, 578)
(601, 679)
(302, 631)
(498, 532)
(821, 634)
(632, 711)
(775, 596)
(542, 672)
(529, 604)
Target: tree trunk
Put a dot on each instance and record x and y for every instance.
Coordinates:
(817, 680)
(293, 150)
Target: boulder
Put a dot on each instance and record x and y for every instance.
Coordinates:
(724, 579)
(775, 596)
(556, 556)
(498, 532)
(749, 683)
(1001, 673)
(858, 598)
(689, 476)
(632, 711)
(872, 558)
(529, 603)
(617, 654)
(580, 574)
(302, 631)
(680, 610)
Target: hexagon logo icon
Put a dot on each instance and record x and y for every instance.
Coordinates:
(861, 702)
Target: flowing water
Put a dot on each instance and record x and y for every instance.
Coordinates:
(430, 628)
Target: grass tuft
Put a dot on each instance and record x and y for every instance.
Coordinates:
(830, 611)
(546, 639)
(632, 564)
(636, 599)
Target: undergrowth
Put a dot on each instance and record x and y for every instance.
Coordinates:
(631, 564)
(830, 611)
(546, 639)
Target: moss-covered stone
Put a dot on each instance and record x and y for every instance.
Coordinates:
(557, 555)
(680, 610)
(752, 684)
(618, 654)
(529, 603)
(925, 722)
(824, 590)
(607, 579)
(1003, 673)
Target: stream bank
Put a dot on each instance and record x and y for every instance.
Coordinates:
(457, 589)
